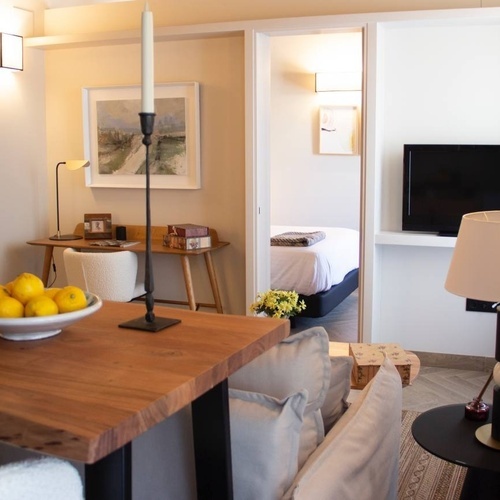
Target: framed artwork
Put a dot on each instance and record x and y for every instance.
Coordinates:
(338, 130)
(113, 138)
(97, 226)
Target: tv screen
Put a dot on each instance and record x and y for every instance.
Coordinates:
(444, 181)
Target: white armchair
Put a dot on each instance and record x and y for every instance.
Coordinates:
(40, 479)
(110, 275)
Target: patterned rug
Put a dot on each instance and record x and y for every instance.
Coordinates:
(423, 476)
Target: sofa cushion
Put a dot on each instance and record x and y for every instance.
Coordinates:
(359, 456)
(340, 387)
(299, 362)
(265, 435)
(311, 435)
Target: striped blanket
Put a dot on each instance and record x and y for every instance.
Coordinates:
(297, 239)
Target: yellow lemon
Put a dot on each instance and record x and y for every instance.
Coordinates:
(70, 298)
(40, 306)
(26, 286)
(9, 286)
(51, 292)
(4, 292)
(10, 308)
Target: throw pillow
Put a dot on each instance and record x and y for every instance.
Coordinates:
(340, 387)
(264, 443)
(359, 456)
(299, 362)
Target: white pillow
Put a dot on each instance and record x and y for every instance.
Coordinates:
(264, 443)
(359, 457)
(340, 387)
(299, 362)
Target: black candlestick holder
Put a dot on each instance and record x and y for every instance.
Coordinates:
(149, 322)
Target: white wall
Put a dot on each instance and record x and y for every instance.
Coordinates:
(441, 86)
(23, 186)
(308, 188)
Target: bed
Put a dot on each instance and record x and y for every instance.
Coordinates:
(323, 274)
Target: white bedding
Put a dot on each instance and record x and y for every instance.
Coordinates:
(313, 269)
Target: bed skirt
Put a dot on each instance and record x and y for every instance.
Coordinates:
(320, 304)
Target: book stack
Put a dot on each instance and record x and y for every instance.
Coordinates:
(187, 237)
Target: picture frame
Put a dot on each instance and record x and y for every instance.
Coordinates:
(338, 130)
(97, 226)
(113, 137)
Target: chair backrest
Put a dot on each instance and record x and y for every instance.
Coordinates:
(40, 479)
(110, 275)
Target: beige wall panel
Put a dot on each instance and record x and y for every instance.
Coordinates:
(217, 64)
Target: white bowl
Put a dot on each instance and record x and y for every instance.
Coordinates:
(41, 327)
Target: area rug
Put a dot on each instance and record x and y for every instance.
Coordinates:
(422, 476)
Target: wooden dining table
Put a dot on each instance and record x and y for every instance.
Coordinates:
(86, 393)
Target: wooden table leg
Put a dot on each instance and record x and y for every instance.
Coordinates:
(213, 281)
(49, 250)
(186, 269)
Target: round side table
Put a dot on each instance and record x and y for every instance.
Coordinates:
(447, 434)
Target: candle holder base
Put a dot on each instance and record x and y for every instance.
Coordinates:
(149, 326)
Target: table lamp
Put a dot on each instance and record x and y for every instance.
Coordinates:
(70, 165)
(475, 273)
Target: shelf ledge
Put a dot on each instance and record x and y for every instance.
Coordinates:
(407, 238)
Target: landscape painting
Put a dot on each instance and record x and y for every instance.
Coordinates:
(114, 144)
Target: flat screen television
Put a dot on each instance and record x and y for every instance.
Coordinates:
(441, 182)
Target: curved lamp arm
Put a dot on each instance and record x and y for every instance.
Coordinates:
(70, 165)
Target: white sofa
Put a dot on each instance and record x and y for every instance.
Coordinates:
(307, 391)
(280, 405)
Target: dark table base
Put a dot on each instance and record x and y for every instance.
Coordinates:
(447, 434)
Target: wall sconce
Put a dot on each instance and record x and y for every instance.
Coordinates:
(11, 51)
(342, 81)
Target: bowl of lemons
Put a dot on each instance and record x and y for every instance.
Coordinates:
(29, 311)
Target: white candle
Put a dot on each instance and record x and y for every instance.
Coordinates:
(148, 105)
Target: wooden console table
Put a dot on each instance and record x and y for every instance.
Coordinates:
(138, 233)
(86, 393)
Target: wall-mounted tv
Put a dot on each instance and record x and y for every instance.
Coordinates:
(441, 182)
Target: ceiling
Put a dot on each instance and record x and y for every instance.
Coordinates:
(54, 4)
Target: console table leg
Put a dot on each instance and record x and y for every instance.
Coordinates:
(188, 280)
(47, 260)
(213, 281)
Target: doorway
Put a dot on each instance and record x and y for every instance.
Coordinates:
(296, 185)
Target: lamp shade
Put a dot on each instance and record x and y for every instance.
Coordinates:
(11, 51)
(76, 164)
(475, 266)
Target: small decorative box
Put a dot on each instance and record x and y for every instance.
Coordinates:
(369, 357)
(192, 243)
(187, 230)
